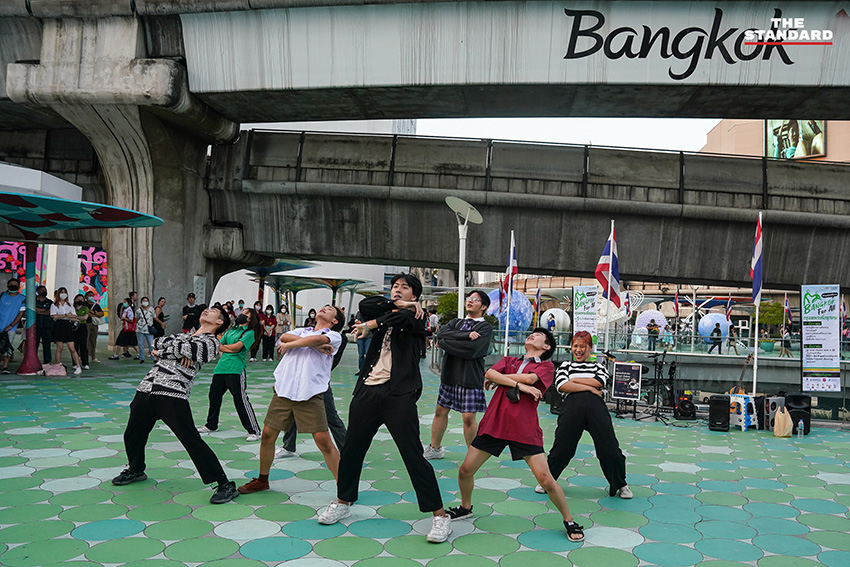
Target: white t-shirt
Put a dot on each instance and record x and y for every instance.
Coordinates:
(64, 309)
(304, 372)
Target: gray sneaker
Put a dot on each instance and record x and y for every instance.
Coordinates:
(335, 512)
(432, 453)
(281, 453)
(539, 489)
(441, 529)
(626, 493)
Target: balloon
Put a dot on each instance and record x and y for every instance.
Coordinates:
(522, 311)
(706, 325)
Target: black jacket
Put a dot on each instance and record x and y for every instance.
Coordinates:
(407, 344)
(464, 362)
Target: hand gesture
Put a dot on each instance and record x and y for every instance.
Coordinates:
(473, 335)
(282, 348)
(187, 362)
(325, 349)
(488, 385)
(360, 330)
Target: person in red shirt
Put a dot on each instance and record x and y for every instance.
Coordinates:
(511, 421)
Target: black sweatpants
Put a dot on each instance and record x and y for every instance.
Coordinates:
(145, 411)
(268, 347)
(335, 425)
(43, 337)
(585, 411)
(236, 384)
(372, 407)
(81, 340)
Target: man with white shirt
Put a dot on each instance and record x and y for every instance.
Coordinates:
(466, 342)
(300, 381)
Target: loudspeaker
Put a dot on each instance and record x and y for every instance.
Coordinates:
(718, 413)
(800, 407)
(771, 406)
(685, 408)
(759, 402)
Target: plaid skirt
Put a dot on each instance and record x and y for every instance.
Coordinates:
(463, 400)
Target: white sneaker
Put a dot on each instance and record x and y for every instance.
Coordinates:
(253, 360)
(86, 367)
(205, 429)
(539, 489)
(95, 360)
(626, 493)
(335, 512)
(252, 437)
(441, 529)
(432, 453)
(282, 453)
(78, 370)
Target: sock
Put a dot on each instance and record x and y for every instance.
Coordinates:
(263, 477)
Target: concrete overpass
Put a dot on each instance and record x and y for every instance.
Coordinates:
(151, 84)
(680, 217)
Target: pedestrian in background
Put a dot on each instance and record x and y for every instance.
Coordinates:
(81, 330)
(43, 323)
(269, 327)
(93, 322)
(63, 317)
(144, 328)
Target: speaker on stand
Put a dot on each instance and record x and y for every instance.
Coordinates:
(799, 405)
(718, 413)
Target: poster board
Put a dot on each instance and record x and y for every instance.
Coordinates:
(821, 335)
(626, 381)
(585, 311)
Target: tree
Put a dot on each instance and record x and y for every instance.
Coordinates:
(447, 310)
(771, 313)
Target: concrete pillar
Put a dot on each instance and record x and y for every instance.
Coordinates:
(151, 137)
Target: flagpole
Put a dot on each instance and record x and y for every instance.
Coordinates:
(608, 292)
(758, 306)
(694, 319)
(509, 292)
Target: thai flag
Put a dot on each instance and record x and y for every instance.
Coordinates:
(608, 270)
(788, 309)
(537, 307)
(676, 303)
(627, 303)
(510, 272)
(755, 267)
(729, 309)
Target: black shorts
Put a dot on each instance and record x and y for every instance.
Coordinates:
(490, 444)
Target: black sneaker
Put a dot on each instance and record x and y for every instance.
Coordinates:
(126, 355)
(224, 493)
(459, 512)
(5, 371)
(127, 476)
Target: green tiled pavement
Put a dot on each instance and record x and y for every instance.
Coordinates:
(701, 497)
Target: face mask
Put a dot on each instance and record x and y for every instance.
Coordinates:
(241, 305)
(12, 288)
(269, 311)
(242, 319)
(42, 293)
(258, 307)
(78, 304)
(145, 303)
(63, 296)
(90, 299)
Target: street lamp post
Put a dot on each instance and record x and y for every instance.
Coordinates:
(465, 214)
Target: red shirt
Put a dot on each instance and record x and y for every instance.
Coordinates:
(516, 421)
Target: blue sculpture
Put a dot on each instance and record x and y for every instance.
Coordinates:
(522, 312)
(706, 325)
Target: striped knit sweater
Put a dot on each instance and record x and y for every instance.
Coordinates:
(170, 378)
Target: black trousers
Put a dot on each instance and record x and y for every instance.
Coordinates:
(145, 411)
(255, 347)
(372, 407)
(43, 338)
(268, 347)
(585, 411)
(81, 340)
(335, 424)
(718, 346)
(236, 384)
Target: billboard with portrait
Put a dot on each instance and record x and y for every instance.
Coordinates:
(795, 139)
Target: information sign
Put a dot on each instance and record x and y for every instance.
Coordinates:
(821, 354)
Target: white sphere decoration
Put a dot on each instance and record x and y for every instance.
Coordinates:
(562, 320)
(644, 318)
(707, 323)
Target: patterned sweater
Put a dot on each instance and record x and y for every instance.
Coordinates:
(169, 377)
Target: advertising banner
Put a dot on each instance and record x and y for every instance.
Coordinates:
(821, 355)
(795, 139)
(626, 381)
(585, 310)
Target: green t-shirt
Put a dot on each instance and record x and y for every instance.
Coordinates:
(234, 362)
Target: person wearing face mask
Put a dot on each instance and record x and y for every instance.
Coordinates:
(43, 323)
(12, 307)
(269, 326)
(92, 325)
(145, 316)
(229, 374)
(127, 337)
(160, 318)
(63, 318)
(258, 307)
(81, 332)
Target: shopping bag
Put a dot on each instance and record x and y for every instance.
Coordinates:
(782, 425)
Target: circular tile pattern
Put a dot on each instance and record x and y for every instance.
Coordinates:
(198, 550)
(728, 550)
(379, 528)
(784, 545)
(595, 556)
(38, 554)
(276, 549)
(670, 533)
(487, 544)
(246, 530)
(667, 554)
(124, 550)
